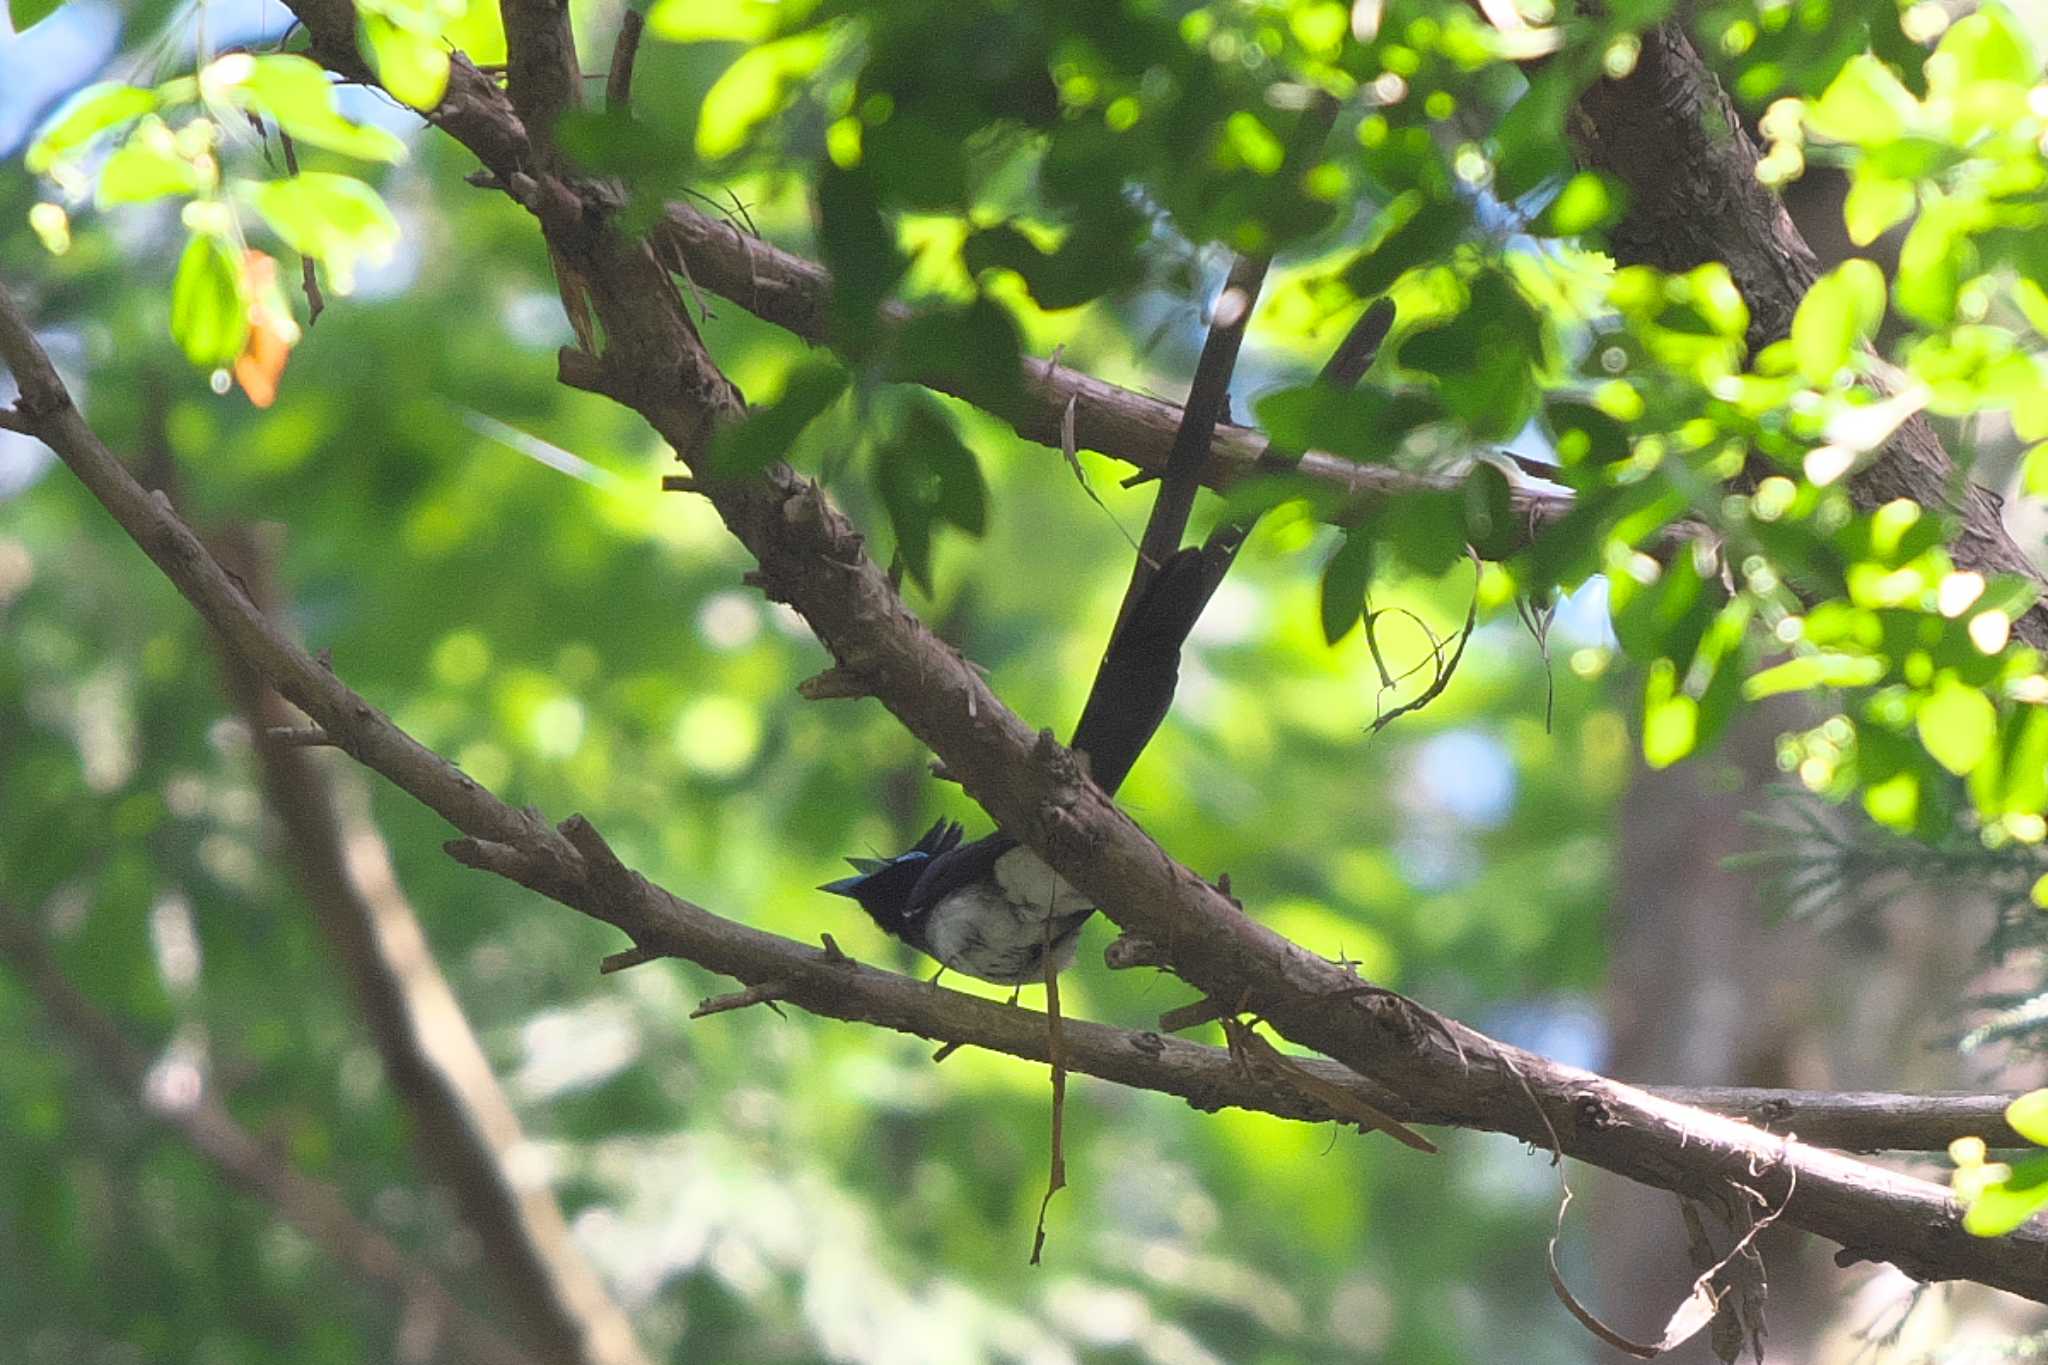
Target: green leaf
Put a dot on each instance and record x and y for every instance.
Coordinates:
(925, 475)
(754, 88)
(1934, 260)
(1864, 105)
(1484, 359)
(26, 14)
(1410, 231)
(295, 94)
(2001, 1208)
(2035, 470)
(1583, 434)
(731, 21)
(1842, 308)
(1491, 527)
(1894, 801)
(1979, 73)
(1588, 202)
(336, 219)
(973, 353)
(771, 430)
(95, 110)
(859, 245)
(1367, 424)
(412, 65)
(1875, 205)
(1815, 670)
(1096, 257)
(1345, 579)
(1957, 724)
(147, 166)
(2028, 1116)
(1670, 718)
(209, 317)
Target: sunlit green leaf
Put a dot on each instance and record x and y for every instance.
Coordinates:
(2003, 1207)
(410, 64)
(209, 317)
(1865, 104)
(1588, 202)
(1957, 724)
(2028, 1116)
(1815, 670)
(753, 88)
(1875, 205)
(147, 166)
(93, 111)
(1842, 308)
(296, 95)
(336, 219)
(1671, 719)
(732, 21)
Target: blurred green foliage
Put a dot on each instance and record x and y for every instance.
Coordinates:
(1021, 177)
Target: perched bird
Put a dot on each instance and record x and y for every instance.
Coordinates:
(991, 908)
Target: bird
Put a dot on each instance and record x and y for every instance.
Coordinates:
(990, 908)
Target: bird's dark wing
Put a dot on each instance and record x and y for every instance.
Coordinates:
(1134, 687)
(955, 868)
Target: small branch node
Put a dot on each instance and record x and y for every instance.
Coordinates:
(631, 957)
(835, 683)
(1130, 951)
(301, 737)
(762, 993)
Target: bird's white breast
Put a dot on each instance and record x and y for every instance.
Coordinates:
(997, 931)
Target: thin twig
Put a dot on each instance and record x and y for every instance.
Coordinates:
(618, 84)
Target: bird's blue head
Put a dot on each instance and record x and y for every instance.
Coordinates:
(883, 885)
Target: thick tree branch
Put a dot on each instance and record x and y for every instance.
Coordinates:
(1668, 132)
(810, 556)
(464, 1128)
(317, 1210)
(1424, 1063)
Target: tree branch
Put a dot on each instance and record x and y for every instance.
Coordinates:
(1668, 132)
(810, 556)
(1423, 1063)
(317, 1210)
(793, 293)
(463, 1126)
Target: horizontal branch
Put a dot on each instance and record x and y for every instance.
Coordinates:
(794, 293)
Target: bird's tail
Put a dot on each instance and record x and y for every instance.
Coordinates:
(1134, 687)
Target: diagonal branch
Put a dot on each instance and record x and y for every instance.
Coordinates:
(1431, 1064)
(315, 1209)
(464, 1127)
(812, 557)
